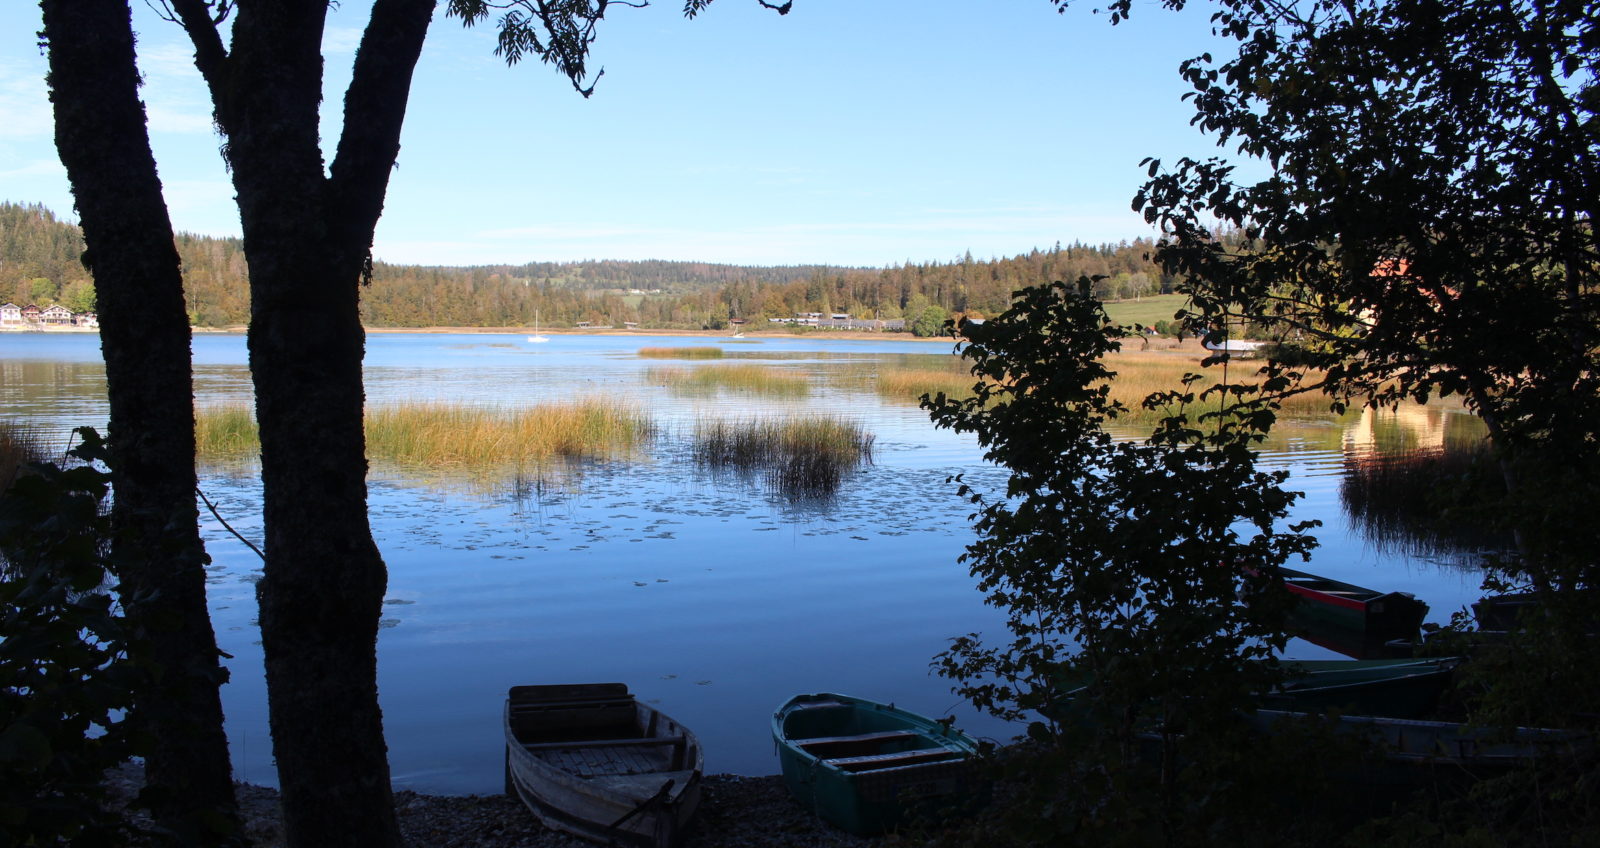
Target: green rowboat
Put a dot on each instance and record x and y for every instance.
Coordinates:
(867, 767)
(1406, 688)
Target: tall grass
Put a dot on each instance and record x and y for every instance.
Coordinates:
(1139, 374)
(448, 434)
(680, 352)
(20, 444)
(1430, 502)
(226, 432)
(912, 383)
(801, 457)
(455, 435)
(751, 378)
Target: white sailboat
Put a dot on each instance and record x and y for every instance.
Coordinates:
(537, 336)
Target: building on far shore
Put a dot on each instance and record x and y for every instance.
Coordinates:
(31, 317)
(841, 321)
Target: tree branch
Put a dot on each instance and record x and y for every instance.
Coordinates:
(209, 54)
(374, 111)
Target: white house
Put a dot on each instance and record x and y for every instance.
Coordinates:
(10, 313)
(56, 314)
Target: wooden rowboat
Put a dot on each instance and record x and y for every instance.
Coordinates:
(1334, 609)
(867, 767)
(592, 761)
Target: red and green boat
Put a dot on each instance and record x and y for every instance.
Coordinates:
(1335, 611)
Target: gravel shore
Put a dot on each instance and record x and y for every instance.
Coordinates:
(735, 811)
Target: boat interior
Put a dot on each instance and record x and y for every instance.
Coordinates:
(855, 740)
(596, 730)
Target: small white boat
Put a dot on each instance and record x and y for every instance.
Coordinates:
(590, 760)
(537, 336)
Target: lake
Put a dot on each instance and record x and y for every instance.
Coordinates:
(711, 597)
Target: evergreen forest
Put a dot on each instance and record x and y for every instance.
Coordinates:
(40, 264)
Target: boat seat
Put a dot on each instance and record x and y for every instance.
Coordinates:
(605, 743)
(884, 761)
(880, 736)
(812, 705)
(535, 706)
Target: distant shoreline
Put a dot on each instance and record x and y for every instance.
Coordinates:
(854, 335)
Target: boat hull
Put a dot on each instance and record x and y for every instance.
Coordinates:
(589, 760)
(867, 767)
(1338, 612)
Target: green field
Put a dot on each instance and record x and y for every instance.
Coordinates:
(1145, 310)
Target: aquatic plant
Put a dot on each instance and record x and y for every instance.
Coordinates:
(1446, 502)
(457, 435)
(20, 444)
(680, 352)
(801, 457)
(226, 431)
(752, 378)
(910, 384)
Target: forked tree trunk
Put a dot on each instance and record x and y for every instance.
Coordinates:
(307, 237)
(144, 334)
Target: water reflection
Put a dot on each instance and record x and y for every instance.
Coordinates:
(708, 594)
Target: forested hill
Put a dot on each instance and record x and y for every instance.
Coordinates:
(39, 263)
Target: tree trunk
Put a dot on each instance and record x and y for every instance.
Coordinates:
(307, 238)
(144, 335)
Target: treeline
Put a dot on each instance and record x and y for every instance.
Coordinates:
(39, 263)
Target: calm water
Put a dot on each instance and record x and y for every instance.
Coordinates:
(707, 596)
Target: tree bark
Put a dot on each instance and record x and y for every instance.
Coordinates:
(307, 240)
(144, 335)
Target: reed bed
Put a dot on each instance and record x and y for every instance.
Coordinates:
(455, 435)
(1139, 375)
(751, 378)
(226, 432)
(1429, 502)
(20, 444)
(680, 352)
(912, 383)
(801, 457)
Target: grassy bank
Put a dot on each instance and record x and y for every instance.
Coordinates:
(750, 378)
(455, 435)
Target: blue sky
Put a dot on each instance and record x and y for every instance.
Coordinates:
(863, 132)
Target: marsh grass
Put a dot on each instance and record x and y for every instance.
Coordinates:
(226, 432)
(1139, 375)
(680, 352)
(1430, 502)
(751, 378)
(20, 444)
(435, 435)
(912, 383)
(800, 457)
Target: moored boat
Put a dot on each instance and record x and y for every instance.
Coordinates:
(1412, 754)
(1399, 688)
(867, 767)
(590, 760)
(1334, 609)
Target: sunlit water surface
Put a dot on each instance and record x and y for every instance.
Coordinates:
(711, 597)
